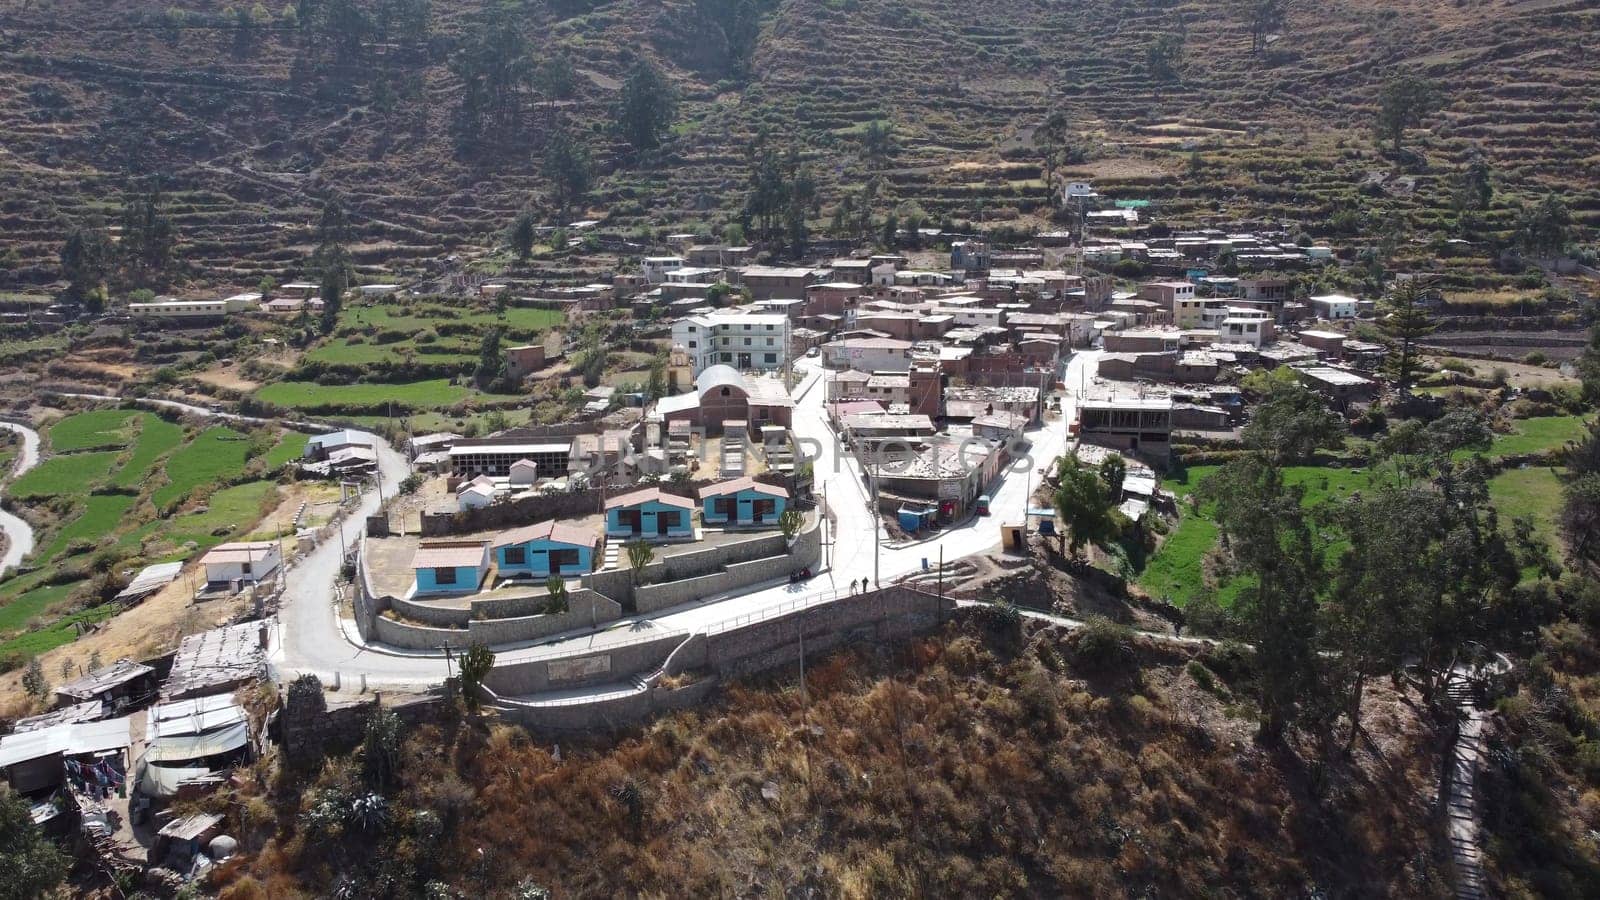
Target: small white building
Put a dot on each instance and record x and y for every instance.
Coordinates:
(1334, 306)
(655, 268)
(523, 472)
(241, 561)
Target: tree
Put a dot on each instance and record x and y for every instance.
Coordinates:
(738, 23)
(1545, 229)
(520, 236)
(1580, 517)
(556, 79)
(1266, 17)
(1405, 323)
(1474, 190)
(1051, 138)
(380, 748)
(790, 522)
(1589, 367)
(1403, 102)
(1292, 423)
(494, 69)
(475, 666)
(566, 164)
(1164, 57)
(1268, 533)
(334, 282)
(491, 362)
(1430, 575)
(86, 263)
(1084, 504)
(1114, 471)
(640, 554)
(647, 106)
(148, 235)
(34, 681)
(30, 864)
(331, 260)
(556, 594)
(878, 142)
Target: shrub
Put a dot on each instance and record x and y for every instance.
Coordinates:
(1103, 646)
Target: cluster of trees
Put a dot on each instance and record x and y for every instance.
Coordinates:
(736, 24)
(331, 261)
(783, 191)
(144, 257)
(1426, 581)
(337, 33)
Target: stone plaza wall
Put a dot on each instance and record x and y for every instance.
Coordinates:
(613, 663)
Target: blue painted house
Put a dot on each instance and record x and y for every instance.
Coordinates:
(743, 501)
(650, 515)
(544, 549)
(450, 567)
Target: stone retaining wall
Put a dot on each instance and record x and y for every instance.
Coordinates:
(407, 636)
(430, 614)
(617, 663)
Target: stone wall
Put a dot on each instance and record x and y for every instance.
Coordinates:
(585, 609)
(615, 663)
(666, 582)
(366, 605)
(891, 614)
(431, 614)
(308, 734)
(408, 636)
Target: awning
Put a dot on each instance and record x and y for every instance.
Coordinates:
(199, 746)
(161, 781)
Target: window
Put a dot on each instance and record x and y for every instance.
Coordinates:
(560, 559)
(693, 344)
(747, 342)
(244, 568)
(772, 357)
(515, 556)
(769, 327)
(444, 575)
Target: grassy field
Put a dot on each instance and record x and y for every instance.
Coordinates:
(96, 429)
(1534, 492)
(1176, 570)
(157, 438)
(58, 633)
(1539, 435)
(215, 454)
(101, 515)
(19, 611)
(432, 394)
(234, 509)
(76, 473)
(289, 447)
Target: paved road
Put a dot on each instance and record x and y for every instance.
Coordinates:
(19, 534)
(312, 641)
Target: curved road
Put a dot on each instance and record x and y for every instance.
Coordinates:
(311, 639)
(19, 534)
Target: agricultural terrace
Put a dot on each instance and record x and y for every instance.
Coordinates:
(119, 489)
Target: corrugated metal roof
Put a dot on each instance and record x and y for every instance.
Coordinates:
(449, 556)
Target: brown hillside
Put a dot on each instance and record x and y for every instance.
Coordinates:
(250, 134)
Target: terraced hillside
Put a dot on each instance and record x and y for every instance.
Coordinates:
(251, 127)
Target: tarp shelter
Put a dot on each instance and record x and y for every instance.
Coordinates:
(182, 748)
(160, 781)
(1046, 517)
(195, 729)
(32, 759)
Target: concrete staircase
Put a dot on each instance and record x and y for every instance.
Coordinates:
(1462, 798)
(733, 450)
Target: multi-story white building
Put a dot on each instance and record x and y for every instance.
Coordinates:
(169, 308)
(747, 341)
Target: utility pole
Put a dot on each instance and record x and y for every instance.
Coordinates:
(877, 527)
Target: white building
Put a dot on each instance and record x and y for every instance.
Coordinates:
(1334, 306)
(243, 561)
(745, 341)
(655, 268)
(170, 308)
(868, 354)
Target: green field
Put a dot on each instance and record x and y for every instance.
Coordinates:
(432, 394)
(157, 437)
(100, 517)
(94, 430)
(1534, 492)
(75, 473)
(216, 454)
(341, 352)
(1176, 570)
(288, 448)
(18, 612)
(1539, 435)
(58, 633)
(235, 509)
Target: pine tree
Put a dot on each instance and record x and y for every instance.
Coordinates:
(1405, 323)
